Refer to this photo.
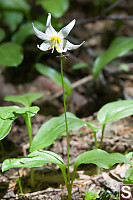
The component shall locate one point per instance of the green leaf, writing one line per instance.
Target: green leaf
(10, 54)
(34, 159)
(129, 172)
(129, 176)
(115, 110)
(129, 155)
(9, 113)
(54, 75)
(124, 67)
(13, 19)
(2, 34)
(49, 131)
(30, 110)
(80, 66)
(93, 127)
(14, 5)
(6, 119)
(25, 30)
(118, 47)
(128, 180)
(56, 7)
(26, 99)
(101, 158)
(90, 195)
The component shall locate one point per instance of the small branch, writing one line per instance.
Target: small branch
(112, 6)
(104, 12)
(111, 17)
(116, 17)
(41, 192)
(74, 85)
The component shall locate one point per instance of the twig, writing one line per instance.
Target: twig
(103, 17)
(116, 17)
(112, 6)
(41, 192)
(74, 85)
(111, 17)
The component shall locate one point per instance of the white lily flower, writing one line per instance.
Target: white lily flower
(52, 39)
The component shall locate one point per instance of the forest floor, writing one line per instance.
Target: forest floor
(49, 182)
(87, 97)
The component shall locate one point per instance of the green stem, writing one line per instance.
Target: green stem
(63, 169)
(29, 129)
(19, 183)
(28, 125)
(73, 176)
(101, 142)
(67, 135)
(94, 133)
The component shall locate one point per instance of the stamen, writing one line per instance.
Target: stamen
(55, 40)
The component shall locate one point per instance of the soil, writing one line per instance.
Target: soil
(87, 98)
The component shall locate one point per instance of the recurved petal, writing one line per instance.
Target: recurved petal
(50, 31)
(69, 46)
(60, 47)
(40, 34)
(66, 30)
(44, 46)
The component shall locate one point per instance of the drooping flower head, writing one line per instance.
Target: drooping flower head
(54, 40)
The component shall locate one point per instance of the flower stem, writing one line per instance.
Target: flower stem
(67, 135)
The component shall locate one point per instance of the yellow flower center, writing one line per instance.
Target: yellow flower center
(54, 41)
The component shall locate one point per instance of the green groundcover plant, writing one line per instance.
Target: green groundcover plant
(50, 130)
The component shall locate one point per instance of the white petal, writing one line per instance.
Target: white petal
(44, 46)
(66, 30)
(50, 31)
(69, 46)
(60, 47)
(40, 34)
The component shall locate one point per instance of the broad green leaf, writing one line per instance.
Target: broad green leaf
(34, 159)
(10, 54)
(129, 176)
(115, 110)
(80, 66)
(12, 19)
(2, 34)
(101, 158)
(54, 75)
(26, 99)
(15, 5)
(118, 47)
(25, 30)
(129, 172)
(56, 7)
(9, 114)
(129, 155)
(6, 119)
(29, 110)
(90, 195)
(49, 131)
